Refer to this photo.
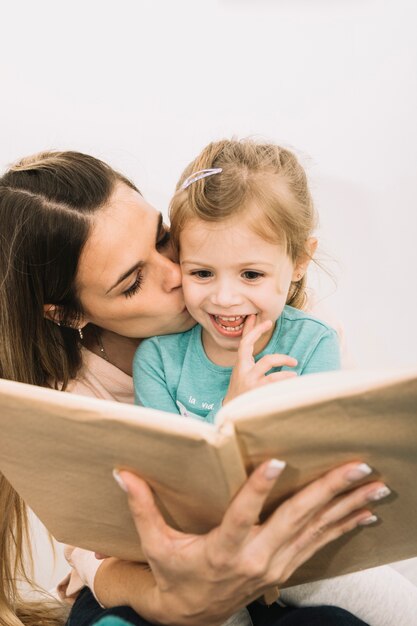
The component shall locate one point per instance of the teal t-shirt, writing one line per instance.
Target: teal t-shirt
(172, 372)
(112, 620)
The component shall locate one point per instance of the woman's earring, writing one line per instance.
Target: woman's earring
(80, 332)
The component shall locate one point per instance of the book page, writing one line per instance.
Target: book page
(324, 420)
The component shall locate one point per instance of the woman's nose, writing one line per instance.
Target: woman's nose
(171, 273)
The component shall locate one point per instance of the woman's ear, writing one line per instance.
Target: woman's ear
(55, 313)
(302, 264)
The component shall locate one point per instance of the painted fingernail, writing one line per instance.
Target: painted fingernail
(367, 521)
(274, 468)
(378, 494)
(119, 480)
(358, 472)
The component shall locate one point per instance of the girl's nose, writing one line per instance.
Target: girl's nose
(223, 295)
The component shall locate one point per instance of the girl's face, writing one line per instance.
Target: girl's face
(126, 281)
(230, 272)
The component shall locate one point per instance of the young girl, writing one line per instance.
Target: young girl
(242, 220)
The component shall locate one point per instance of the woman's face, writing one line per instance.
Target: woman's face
(126, 281)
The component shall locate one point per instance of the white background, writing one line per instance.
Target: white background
(145, 84)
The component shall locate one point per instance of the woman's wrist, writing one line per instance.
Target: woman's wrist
(126, 583)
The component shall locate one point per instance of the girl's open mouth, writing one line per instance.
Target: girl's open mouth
(229, 326)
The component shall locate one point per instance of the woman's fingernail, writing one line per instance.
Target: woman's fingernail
(358, 472)
(367, 521)
(274, 468)
(378, 494)
(119, 480)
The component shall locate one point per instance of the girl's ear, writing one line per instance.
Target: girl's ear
(302, 264)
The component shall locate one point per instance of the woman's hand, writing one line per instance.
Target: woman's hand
(203, 579)
(247, 374)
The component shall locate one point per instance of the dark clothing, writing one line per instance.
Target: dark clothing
(86, 612)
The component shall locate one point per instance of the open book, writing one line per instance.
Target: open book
(58, 451)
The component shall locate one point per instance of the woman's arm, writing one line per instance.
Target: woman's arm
(198, 580)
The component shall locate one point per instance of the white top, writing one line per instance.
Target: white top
(100, 379)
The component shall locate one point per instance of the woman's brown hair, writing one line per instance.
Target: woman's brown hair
(47, 205)
(253, 174)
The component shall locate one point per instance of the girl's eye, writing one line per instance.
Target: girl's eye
(163, 240)
(134, 288)
(251, 275)
(202, 274)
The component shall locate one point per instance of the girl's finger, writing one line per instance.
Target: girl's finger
(243, 512)
(277, 376)
(248, 341)
(249, 325)
(269, 361)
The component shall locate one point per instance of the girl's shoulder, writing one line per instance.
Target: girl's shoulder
(164, 346)
(292, 315)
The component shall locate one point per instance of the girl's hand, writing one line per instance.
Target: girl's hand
(246, 373)
(198, 580)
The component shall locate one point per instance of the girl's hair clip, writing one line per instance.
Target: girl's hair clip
(199, 175)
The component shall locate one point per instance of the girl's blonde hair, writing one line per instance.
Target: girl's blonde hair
(264, 178)
(47, 207)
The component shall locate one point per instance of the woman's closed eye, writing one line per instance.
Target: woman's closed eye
(134, 287)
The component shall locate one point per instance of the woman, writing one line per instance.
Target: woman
(85, 270)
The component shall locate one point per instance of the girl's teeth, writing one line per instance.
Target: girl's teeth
(228, 319)
(232, 327)
(222, 321)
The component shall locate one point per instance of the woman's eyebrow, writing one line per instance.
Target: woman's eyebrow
(139, 264)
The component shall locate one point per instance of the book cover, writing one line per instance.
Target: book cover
(58, 451)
